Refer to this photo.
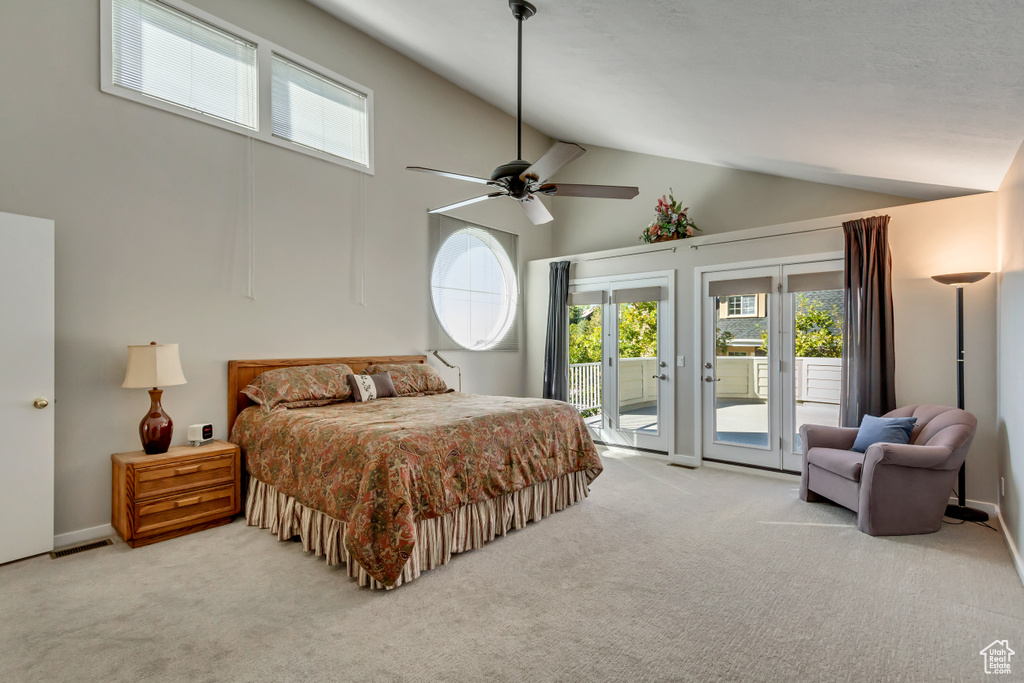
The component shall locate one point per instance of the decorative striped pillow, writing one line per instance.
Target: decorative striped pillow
(368, 387)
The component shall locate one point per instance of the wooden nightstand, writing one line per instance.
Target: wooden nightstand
(186, 489)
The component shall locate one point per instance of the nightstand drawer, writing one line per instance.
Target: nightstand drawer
(151, 482)
(185, 509)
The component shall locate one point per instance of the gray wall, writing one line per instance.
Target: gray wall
(150, 210)
(923, 241)
(1011, 334)
(150, 226)
(720, 199)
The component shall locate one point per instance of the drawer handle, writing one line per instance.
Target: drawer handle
(186, 502)
(187, 470)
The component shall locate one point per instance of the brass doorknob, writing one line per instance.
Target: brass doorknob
(40, 403)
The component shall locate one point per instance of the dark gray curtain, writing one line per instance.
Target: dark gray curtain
(869, 361)
(556, 346)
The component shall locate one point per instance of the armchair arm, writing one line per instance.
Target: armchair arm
(820, 436)
(908, 455)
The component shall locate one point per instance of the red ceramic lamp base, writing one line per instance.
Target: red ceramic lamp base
(156, 428)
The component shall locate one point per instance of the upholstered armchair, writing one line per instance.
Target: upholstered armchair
(895, 489)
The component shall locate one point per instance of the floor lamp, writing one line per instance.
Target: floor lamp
(958, 280)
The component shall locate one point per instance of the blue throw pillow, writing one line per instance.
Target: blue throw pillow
(883, 430)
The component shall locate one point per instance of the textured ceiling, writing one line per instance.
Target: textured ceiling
(918, 98)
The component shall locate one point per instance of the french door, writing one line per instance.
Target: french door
(621, 341)
(771, 360)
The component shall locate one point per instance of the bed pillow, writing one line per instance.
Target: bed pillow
(883, 430)
(368, 387)
(300, 387)
(412, 380)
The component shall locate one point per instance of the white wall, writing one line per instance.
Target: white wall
(1011, 336)
(150, 226)
(925, 239)
(720, 199)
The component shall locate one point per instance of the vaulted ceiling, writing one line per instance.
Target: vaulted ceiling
(923, 98)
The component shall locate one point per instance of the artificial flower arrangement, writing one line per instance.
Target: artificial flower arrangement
(670, 221)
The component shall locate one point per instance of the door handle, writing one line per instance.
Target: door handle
(40, 403)
(709, 378)
(661, 376)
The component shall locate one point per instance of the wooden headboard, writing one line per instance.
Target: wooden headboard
(241, 372)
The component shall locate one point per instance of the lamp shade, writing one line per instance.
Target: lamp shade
(153, 365)
(961, 278)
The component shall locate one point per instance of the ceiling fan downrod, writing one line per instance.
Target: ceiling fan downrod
(522, 11)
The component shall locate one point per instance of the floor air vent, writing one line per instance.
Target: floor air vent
(57, 554)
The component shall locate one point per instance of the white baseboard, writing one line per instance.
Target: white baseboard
(991, 508)
(82, 535)
(1014, 552)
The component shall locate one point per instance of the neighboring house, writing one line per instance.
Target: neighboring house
(745, 318)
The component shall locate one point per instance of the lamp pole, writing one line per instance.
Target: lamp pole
(961, 511)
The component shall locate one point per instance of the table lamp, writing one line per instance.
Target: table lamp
(154, 365)
(958, 280)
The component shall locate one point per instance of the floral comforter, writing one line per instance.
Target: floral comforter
(383, 465)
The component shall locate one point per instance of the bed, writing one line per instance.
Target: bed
(396, 486)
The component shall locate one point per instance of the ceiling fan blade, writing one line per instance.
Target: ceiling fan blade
(448, 174)
(598, 191)
(536, 211)
(560, 155)
(467, 202)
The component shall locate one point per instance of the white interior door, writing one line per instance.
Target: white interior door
(26, 382)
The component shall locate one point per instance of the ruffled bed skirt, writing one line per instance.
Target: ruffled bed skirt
(466, 528)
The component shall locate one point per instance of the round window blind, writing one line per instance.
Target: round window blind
(473, 289)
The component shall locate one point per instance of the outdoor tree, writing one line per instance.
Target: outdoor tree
(722, 340)
(819, 332)
(638, 330)
(584, 334)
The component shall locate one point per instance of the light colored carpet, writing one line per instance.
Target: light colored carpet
(662, 574)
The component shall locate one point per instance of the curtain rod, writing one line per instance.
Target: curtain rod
(763, 237)
(635, 253)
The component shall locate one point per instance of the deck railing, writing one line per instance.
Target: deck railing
(817, 380)
(636, 383)
(585, 385)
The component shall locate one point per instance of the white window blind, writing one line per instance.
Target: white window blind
(167, 54)
(474, 286)
(317, 112)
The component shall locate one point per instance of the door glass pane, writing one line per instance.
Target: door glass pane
(638, 366)
(818, 358)
(741, 382)
(585, 388)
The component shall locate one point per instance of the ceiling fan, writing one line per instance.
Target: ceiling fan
(521, 180)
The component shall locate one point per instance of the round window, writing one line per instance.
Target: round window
(473, 289)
